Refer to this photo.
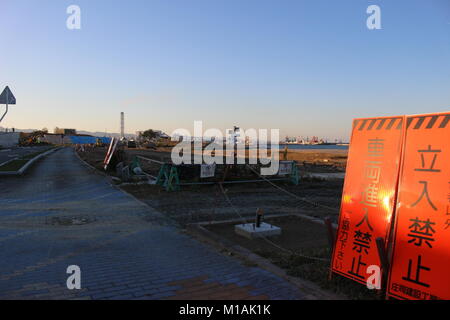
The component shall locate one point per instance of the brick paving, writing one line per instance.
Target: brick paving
(126, 250)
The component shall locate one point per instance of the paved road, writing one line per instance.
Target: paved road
(61, 213)
(12, 153)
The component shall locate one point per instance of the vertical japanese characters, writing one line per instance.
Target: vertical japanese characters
(368, 196)
(363, 235)
(421, 255)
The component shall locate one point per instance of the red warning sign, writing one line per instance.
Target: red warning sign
(421, 250)
(369, 195)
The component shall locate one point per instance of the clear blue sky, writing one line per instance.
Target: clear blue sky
(306, 67)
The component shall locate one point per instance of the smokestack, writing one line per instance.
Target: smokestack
(122, 125)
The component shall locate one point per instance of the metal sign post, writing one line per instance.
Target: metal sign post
(5, 112)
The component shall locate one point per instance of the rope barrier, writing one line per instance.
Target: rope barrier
(315, 204)
(150, 160)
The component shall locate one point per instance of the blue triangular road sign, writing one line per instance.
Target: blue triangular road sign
(7, 97)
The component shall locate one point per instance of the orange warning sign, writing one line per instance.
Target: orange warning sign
(421, 250)
(369, 195)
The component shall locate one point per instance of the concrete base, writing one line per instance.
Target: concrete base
(251, 232)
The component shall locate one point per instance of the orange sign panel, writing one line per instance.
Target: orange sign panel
(420, 267)
(369, 195)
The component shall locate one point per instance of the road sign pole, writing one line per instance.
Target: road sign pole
(7, 100)
(4, 113)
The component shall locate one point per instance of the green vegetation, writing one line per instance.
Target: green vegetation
(17, 164)
(150, 134)
(14, 165)
(32, 155)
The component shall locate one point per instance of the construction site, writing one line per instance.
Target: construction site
(285, 223)
(202, 199)
(299, 200)
(317, 181)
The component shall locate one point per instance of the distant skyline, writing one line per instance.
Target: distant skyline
(304, 67)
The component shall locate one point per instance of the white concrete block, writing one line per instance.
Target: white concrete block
(250, 231)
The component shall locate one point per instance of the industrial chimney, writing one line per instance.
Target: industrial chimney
(122, 125)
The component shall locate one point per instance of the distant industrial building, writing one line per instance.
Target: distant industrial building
(65, 131)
